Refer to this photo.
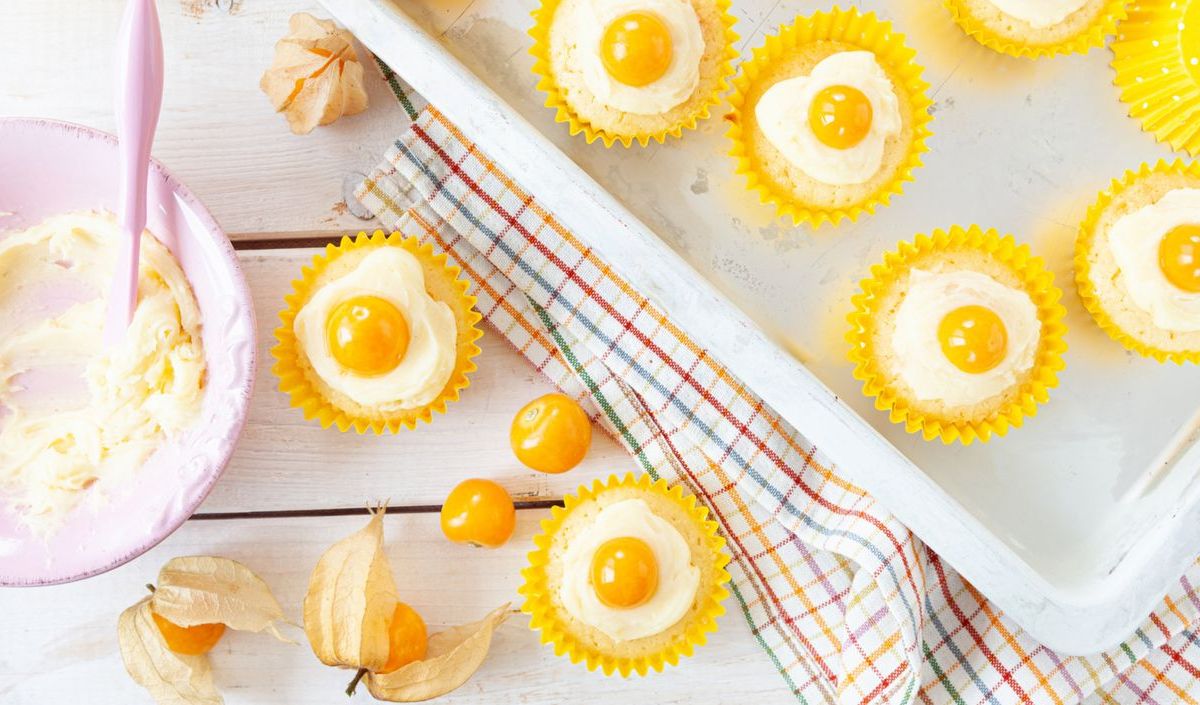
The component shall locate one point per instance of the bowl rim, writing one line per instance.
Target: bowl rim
(245, 391)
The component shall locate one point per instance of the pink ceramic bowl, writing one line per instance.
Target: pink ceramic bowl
(49, 167)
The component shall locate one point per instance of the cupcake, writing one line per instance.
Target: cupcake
(958, 335)
(1035, 28)
(1137, 261)
(829, 117)
(626, 70)
(379, 333)
(628, 576)
(1155, 55)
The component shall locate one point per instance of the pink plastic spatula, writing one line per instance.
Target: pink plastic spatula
(139, 99)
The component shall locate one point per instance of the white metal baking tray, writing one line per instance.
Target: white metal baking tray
(1074, 525)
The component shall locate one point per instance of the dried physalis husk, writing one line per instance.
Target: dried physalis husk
(171, 678)
(192, 590)
(204, 590)
(350, 601)
(451, 658)
(316, 76)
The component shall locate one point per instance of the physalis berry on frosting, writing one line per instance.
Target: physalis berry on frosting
(973, 338)
(639, 56)
(1179, 257)
(367, 334)
(636, 48)
(840, 116)
(834, 123)
(624, 572)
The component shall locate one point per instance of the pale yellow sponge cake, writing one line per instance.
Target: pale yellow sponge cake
(679, 59)
(1119, 258)
(958, 334)
(1035, 28)
(829, 117)
(786, 177)
(677, 607)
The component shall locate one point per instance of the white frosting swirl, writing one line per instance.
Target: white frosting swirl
(922, 364)
(678, 579)
(1040, 14)
(672, 88)
(58, 446)
(1135, 239)
(394, 275)
(782, 113)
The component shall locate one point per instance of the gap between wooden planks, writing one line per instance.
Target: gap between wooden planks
(352, 511)
(285, 466)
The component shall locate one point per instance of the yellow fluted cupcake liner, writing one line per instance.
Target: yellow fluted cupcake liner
(1087, 238)
(298, 380)
(1038, 283)
(863, 32)
(1093, 36)
(546, 616)
(1156, 57)
(563, 112)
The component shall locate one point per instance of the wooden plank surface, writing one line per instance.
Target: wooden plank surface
(218, 134)
(285, 462)
(60, 642)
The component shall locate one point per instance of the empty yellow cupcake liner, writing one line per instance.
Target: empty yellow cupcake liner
(865, 32)
(563, 112)
(1093, 36)
(1085, 242)
(544, 616)
(1039, 284)
(1156, 57)
(294, 378)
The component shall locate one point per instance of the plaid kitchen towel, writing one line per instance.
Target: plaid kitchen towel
(845, 601)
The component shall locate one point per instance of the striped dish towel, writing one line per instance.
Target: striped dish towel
(845, 601)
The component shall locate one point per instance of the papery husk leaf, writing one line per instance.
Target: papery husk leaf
(350, 601)
(171, 678)
(451, 658)
(315, 76)
(206, 589)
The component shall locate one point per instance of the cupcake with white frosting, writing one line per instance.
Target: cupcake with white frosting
(1137, 261)
(1038, 27)
(627, 577)
(379, 333)
(829, 117)
(632, 70)
(958, 335)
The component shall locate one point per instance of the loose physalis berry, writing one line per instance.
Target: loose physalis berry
(1179, 257)
(479, 512)
(191, 641)
(973, 338)
(407, 639)
(636, 49)
(624, 572)
(551, 433)
(840, 116)
(367, 335)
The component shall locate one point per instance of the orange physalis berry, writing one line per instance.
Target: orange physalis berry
(636, 49)
(973, 338)
(367, 335)
(624, 572)
(191, 641)
(551, 433)
(1179, 257)
(840, 116)
(407, 639)
(479, 512)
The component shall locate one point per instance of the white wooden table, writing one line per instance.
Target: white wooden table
(277, 506)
